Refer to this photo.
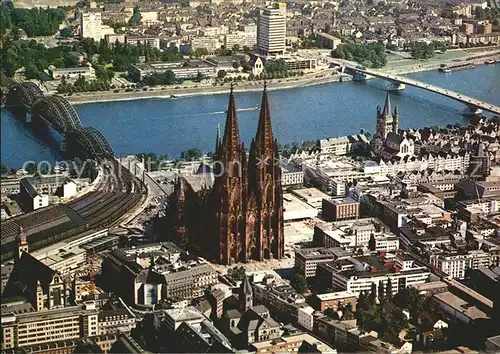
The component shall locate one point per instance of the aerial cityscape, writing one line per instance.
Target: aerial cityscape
(248, 176)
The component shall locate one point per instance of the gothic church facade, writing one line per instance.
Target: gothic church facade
(233, 211)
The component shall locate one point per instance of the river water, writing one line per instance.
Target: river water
(169, 126)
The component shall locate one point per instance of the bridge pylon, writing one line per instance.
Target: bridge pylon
(396, 86)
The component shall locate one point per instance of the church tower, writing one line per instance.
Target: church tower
(480, 163)
(265, 236)
(245, 294)
(385, 119)
(395, 120)
(229, 192)
(22, 243)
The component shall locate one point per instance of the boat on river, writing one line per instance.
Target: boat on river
(249, 109)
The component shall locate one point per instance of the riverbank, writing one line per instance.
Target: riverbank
(477, 59)
(317, 78)
(322, 77)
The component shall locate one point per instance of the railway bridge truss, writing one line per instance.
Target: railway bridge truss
(56, 111)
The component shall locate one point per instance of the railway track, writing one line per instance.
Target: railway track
(117, 192)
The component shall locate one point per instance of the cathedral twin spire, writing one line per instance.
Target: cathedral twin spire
(264, 135)
(231, 139)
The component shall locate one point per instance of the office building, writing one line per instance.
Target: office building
(334, 300)
(340, 209)
(91, 26)
(153, 42)
(182, 70)
(343, 145)
(358, 274)
(307, 260)
(86, 72)
(19, 330)
(455, 264)
(271, 37)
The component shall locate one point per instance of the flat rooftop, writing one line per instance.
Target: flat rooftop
(336, 295)
(292, 203)
(341, 201)
(288, 340)
(460, 305)
(66, 312)
(310, 193)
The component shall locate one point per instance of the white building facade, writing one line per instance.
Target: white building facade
(271, 38)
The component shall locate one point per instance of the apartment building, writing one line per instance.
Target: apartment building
(91, 26)
(280, 298)
(153, 42)
(190, 283)
(291, 175)
(240, 38)
(115, 317)
(354, 234)
(358, 274)
(455, 264)
(334, 300)
(271, 37)
(340, 209)
(46, 326)
(343, 145)
(307, 260)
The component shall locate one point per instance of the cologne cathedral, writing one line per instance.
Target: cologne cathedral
(232, 211)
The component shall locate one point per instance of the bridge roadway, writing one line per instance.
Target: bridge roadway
(468, 101)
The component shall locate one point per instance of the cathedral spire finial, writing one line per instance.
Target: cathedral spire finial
(264, 135)
(387, 105)
(231, 139)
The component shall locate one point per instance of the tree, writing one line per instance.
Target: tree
(372, 244)
(199, 52)
(221, 74)
(373, 294)
(329, 312)
(3, 169)
(363, 301)
(236, 48)
(31, 71)
(136, 16)
(34, 21)
(299, 283)
(191, 154)
(371, 54)
(381, 292)
(236, 273)
(65, 32)
(388, 290)
(199, 77)
(30, 168)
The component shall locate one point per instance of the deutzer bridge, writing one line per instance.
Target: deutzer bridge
(57, 112)
(399, 81)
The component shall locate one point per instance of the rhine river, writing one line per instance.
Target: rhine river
(169, 126)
